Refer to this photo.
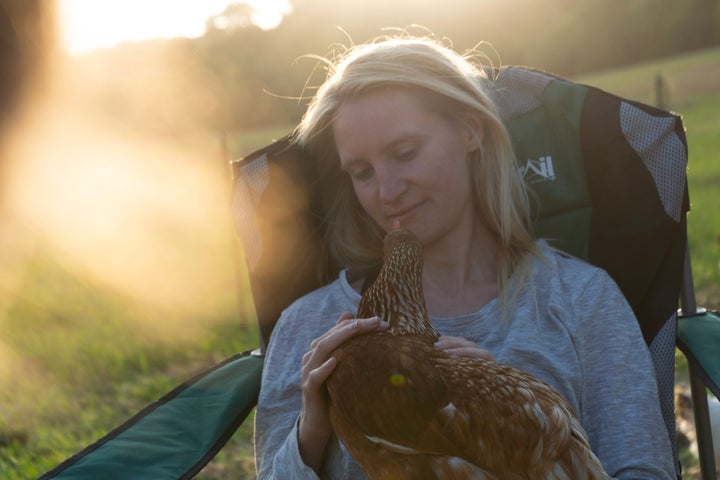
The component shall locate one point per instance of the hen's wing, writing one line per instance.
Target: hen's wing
(417, 409)
(513, 424)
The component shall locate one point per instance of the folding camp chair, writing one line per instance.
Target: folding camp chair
(608, 179)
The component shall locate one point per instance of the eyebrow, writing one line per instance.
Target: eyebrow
(346, 167)
(409, 137)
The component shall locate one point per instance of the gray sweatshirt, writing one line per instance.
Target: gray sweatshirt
(570, 326)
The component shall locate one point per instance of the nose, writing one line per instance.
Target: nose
(391, 185)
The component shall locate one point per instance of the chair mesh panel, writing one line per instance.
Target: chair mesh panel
(662, 350)
(249, 186)
(510, 100)
(662, 152)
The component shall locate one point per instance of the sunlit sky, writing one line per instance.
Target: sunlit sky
(90, 24)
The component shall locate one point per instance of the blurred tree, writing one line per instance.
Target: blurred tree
(236, 15)
(567, 37)
(26, 34)
(237, 76)
(9, 66)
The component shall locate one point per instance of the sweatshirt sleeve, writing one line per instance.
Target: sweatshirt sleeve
(276, 448)
(619, 401)
(277, 455)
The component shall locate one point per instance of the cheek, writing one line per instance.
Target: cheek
(454, 179)
(367, 199)
(452, 158)
(453, 172)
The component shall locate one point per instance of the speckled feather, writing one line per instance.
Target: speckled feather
(405, 410)
(397, 295)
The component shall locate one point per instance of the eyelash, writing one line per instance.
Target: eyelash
(365, 172)
(406, 155)
(361, 174)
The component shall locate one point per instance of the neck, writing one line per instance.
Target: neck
(461, 273)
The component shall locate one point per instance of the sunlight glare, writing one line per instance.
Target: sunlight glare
(88, 24)
(145, 216)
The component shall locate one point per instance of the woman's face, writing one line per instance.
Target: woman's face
(407, 163)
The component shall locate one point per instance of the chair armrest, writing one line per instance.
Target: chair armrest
(699, 339)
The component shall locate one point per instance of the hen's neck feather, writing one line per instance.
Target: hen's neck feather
(396, 295)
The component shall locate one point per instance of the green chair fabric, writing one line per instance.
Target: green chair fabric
(699, 340)
(176, 436)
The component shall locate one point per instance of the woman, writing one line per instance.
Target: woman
(409, 122)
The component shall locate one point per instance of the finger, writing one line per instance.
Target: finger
(325, 343)
(317, 376)
(323, 346)
(469, 352)
(345, 316)
(365, 325)
(347, 329)
(447, 342)
(341, 320)
(306, 358)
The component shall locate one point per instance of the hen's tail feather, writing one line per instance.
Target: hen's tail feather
(580, 463)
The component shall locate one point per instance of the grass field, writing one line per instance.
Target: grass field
(81, 350)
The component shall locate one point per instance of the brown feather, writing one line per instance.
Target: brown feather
(406, 410)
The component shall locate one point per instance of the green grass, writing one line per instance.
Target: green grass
(77, 358)
(703, 131)
(84, 360)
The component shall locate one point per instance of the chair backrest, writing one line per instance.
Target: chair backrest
(608, 182)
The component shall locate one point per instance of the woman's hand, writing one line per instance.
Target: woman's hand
(460, 347)
(314, 427)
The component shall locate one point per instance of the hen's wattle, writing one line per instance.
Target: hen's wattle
(406, 410)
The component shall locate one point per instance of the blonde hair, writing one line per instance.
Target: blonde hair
(449, 83)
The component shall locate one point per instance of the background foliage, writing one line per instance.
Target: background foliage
(238, 72)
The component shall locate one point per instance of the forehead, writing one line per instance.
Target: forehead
(376, 104)
(378, 118)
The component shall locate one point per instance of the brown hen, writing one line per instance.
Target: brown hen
(405, 410)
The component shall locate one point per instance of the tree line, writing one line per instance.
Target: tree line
(237, 76)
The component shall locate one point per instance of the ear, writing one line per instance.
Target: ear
(475, 130)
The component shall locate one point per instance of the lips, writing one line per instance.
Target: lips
(404, 214)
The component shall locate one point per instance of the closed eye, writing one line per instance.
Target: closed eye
(406, 155)
(360, 173)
